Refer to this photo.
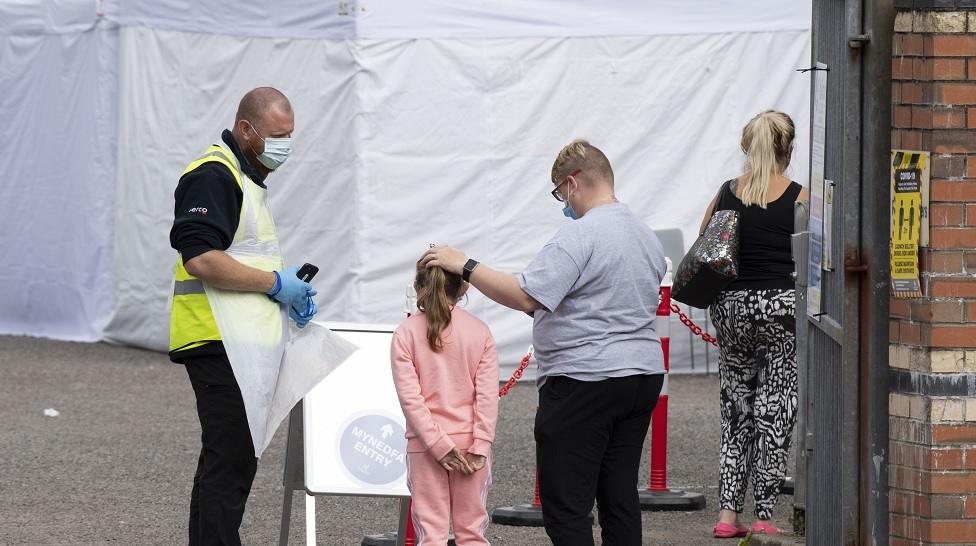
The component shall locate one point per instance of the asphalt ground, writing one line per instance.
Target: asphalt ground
(115, 466)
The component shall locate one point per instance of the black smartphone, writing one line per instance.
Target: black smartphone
(306, 272)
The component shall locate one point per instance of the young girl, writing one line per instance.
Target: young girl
(445, 369)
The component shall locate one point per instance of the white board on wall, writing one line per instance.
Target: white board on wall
(354, 428)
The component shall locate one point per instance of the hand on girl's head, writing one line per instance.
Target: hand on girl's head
(447, 258)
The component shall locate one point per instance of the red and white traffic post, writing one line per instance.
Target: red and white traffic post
(657, 496)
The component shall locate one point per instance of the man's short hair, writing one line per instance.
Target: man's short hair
(257, 102)
(587, 158)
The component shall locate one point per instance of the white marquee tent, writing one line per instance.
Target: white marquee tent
(416, 121)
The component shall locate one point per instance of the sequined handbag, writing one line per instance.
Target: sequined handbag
(711, 263)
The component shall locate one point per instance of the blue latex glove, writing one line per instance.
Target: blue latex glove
(289, 289)
(302, 317)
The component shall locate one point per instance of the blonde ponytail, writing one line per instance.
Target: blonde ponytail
(437, 292)
(767, 141)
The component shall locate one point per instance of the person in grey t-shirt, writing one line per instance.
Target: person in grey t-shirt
(593, 293)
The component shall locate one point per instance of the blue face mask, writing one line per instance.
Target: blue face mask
(276, 150)
(568, 212)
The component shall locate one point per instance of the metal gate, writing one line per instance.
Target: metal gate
(841, 490)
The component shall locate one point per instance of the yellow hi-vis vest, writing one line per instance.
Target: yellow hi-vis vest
(255, 243)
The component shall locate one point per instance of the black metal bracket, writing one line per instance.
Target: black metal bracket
(812, 69)
(858, 41)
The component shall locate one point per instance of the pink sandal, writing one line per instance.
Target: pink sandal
(725, 530)
(765, 528)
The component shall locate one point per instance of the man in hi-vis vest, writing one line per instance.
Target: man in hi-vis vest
(231, 301)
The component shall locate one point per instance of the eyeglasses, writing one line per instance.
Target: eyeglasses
(555, 191)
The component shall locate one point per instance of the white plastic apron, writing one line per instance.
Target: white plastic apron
(254, 328)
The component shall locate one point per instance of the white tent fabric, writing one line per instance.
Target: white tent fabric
(574, 18)
(48, 17)
(466, 19)
(417, 122)
(58, 93)
(309, 19)
(446, 141)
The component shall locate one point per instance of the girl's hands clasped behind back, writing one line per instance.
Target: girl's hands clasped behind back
(477, 462)
(455, 461)
(466, 464)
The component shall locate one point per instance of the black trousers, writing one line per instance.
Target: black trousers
(227, 464)
(589, 437)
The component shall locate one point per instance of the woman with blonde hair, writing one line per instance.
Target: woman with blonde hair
(592, 291)
(756, 327)
(445, 369)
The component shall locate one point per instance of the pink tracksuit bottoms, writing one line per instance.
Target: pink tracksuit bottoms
(440, 497)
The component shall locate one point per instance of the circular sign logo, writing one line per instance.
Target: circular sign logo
(372, 448)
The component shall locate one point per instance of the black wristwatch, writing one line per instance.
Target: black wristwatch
(468, 268)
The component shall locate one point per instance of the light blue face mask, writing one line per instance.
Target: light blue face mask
(568, 212)
(276, 151)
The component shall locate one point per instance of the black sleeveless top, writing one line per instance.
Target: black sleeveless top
(765, 257)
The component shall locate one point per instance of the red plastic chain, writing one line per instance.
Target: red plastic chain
(517, 375)
(695, 329)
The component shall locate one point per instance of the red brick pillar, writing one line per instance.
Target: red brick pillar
(932, 463)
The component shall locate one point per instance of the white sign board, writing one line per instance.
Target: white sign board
(354, 428)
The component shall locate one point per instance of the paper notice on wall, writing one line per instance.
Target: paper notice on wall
(816, 226)
(908, 171)
(818, 138)
(828, 225)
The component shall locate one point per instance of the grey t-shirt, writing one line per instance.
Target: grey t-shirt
(599, 280)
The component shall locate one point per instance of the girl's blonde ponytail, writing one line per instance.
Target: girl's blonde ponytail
(437, 292)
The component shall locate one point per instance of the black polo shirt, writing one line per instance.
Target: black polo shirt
(208, 205)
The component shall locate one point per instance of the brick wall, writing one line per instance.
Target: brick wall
(932, 463)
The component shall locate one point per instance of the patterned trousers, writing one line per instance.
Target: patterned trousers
(756, 331)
